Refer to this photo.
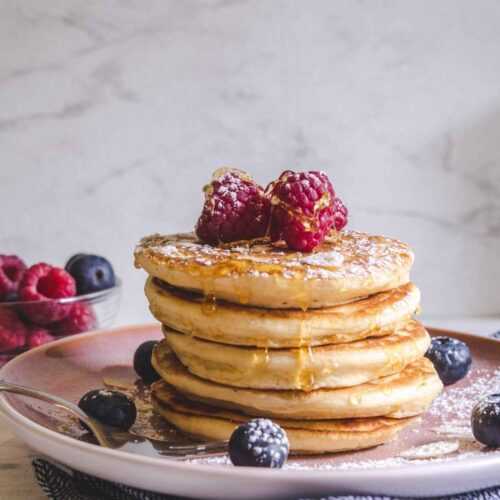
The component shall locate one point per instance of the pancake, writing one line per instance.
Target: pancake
(234, 324)
(405, 394)
(330, 366)
(347, 266)
(305, 436)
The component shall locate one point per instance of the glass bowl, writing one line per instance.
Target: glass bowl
(24, 325)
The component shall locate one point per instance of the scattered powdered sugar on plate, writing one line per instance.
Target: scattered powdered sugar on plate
(454, 431)
(431, 450)
(448, 420)
(459, 401)
(373, 464)
(211, 460)
(398, 461)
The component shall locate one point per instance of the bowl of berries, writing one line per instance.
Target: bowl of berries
(41, 303)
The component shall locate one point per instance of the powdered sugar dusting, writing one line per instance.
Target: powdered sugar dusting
(376, 464)
(431, 450)
(454, 431)
(344, 254)
(211, 460)
(320, 258)
(459, 401)
(444, 435)
(398, 461)
(434, 452)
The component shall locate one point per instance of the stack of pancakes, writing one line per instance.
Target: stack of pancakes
(324, 343)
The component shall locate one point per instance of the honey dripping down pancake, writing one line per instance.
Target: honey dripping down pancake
(316, 333)
(233, 324)
(305, 436)
(346, 266)
(304, 368)
(401, 395)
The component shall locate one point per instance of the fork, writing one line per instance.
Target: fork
(111, 437)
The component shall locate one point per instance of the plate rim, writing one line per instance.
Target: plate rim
(414, 471)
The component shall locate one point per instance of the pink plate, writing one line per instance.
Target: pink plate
(74, 365)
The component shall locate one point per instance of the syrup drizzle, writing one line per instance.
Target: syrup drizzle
(343, 255)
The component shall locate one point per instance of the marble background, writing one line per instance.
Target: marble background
(113, 114)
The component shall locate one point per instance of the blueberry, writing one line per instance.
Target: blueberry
(451, 358)
(109, 407)
(142, 362)
(486, 421)
(73, 259)
(259, 443)
(92, 273)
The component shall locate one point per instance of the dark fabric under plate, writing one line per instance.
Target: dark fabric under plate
(60, 483)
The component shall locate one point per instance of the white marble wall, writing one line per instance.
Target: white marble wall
(114, 113)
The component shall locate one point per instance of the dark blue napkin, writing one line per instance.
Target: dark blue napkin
(61, 483)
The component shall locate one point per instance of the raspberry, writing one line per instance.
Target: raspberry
(41, 283)
(11, 271)
(236, 208)
(302, 209)
(340, 214)
(80, 319)
(12, 330)
(38, 336)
